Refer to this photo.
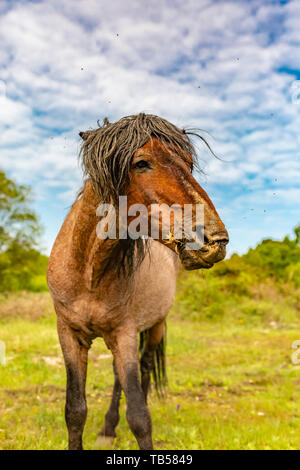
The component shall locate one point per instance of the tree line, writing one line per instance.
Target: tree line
(23, 267)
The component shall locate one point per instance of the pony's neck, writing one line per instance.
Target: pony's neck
(85, 243)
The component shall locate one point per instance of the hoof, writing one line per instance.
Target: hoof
(104, 442)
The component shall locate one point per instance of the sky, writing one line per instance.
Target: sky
(231, 68)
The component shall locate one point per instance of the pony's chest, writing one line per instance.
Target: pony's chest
(155, 288)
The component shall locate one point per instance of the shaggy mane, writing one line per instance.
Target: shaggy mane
(106, 155)
(107, 152)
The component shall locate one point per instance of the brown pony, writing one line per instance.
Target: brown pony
(117, 288)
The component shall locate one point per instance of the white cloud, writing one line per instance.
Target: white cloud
(209, 64)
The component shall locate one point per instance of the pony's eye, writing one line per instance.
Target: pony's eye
(142, 164)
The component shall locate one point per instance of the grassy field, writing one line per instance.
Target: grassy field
(232, 384)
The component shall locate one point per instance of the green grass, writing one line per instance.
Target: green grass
(232, 384)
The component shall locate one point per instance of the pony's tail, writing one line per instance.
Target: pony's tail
(158, 371)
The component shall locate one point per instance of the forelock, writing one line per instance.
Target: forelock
(107, 152)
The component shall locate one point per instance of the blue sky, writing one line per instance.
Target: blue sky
(228, 67)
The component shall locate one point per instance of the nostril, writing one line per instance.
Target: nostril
(223, 241)
(217, 237)
(221, 237)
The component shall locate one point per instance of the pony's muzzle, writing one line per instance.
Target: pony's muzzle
(212, 251)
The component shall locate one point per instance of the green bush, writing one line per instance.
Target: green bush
(249, 288)
(275, 257)
(22, 267)
(293, 273)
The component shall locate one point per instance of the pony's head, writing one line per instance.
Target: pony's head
(151, 161)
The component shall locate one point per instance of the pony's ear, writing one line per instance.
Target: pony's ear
(84, 135)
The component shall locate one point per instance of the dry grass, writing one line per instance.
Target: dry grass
(232, 383)
(26, 305)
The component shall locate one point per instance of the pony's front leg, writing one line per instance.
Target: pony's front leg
(124, 345)
(75, 356)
